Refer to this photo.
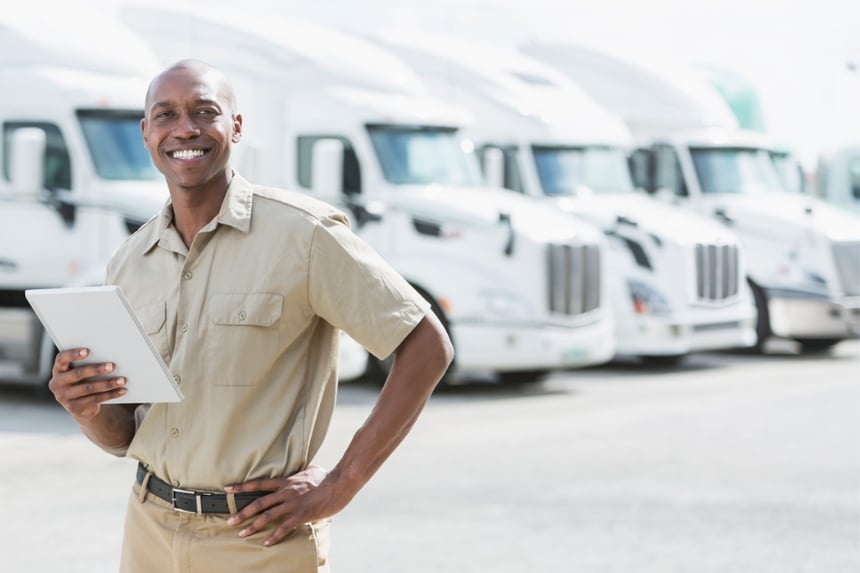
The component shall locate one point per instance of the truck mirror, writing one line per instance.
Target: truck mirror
(27, 160)
(494, 167)
(327, 170)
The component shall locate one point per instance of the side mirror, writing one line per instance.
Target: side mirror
(27, 160)
(494, 167)
(327, 170)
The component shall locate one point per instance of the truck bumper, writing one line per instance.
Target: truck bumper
(681, 333)
(484, 347)
(796, 314)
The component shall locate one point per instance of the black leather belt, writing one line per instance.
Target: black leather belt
(192, 501)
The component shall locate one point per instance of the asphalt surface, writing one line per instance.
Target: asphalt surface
(729, 463)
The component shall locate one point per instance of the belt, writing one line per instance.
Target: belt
(188, 501)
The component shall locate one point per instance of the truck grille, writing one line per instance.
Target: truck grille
(573, 278)
(847, 256)
(716, 272)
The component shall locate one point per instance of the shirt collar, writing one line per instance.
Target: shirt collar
(235, 211)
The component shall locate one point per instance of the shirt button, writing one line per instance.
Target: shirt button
(174, 432)
(187, 276)
(175, 483)
(177, 379)
(242, 315)
(184, 327)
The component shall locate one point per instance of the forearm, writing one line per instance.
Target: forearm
(111, 429)
(419, 364)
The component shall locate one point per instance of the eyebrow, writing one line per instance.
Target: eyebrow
(200, 101)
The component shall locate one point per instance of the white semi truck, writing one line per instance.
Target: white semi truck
(803, 254)
(676, 278)
(75, 179)
(72, 160)
(519, 287)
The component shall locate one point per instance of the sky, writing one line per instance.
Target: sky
(798, 55)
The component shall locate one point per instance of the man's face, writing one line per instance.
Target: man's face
(190, 128)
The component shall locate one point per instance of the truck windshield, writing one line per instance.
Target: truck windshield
(564, 170)
(421, 155)
(114, 140)
(735, 170)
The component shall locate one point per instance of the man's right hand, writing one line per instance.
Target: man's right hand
(74, 388)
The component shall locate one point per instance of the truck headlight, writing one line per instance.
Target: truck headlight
(646, 299)
(502, 304)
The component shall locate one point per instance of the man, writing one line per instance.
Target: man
(242, 289)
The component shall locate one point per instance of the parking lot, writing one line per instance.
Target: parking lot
(730, 463)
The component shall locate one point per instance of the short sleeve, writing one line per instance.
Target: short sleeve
(354, 289)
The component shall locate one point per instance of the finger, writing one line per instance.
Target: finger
(89, 404)
(255, 507)
(287, 528)
(256, 485)
(264, 519)
(63, 360)
(95, 388)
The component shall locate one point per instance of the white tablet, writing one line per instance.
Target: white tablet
(100, 319)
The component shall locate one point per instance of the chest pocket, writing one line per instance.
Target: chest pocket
(153, 317)
(243, 338)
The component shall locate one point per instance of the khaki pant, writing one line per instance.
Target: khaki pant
(158, 539)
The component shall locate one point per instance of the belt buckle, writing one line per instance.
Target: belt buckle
(197, 499)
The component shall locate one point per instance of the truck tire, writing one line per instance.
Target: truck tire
(523, 376)
(378, 370)
(762, 321)
(817, 345)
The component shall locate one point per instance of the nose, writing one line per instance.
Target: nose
(186, 127)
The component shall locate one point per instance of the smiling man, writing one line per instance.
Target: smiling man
(243, 290)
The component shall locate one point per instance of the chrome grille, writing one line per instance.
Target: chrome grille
(847, 256)
(716, 272)
(573, 278)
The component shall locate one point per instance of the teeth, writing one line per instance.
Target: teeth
(187, 153)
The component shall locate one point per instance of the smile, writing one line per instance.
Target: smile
(187, 153)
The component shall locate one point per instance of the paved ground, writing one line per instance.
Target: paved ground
(731, 463)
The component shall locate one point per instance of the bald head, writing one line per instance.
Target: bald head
(202, 73)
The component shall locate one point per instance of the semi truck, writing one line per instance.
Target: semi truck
(803, 254)
(519, 287)
(676, 278)
(75, 178)
(72, 164)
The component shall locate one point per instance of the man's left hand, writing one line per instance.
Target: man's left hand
(293, 501)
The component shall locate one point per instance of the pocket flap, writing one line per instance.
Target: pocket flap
(253, 309)
(152, 316)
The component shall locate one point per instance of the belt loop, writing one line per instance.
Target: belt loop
(144, 487)
(231, 503)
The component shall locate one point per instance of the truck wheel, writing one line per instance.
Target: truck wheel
(378, 370)
(817, 345)
(670, 361)
(523, 376)
(762, 322)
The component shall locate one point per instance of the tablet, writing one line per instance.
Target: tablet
(100, 319)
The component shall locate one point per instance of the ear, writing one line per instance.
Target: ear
(237, 128)
(143, 130)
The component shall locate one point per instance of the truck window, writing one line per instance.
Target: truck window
(641, 166)
(735, 170)
(512, 178)
(424, 154)
(58, 166)
(668, 172)
(304, 162)
(563, 170)
(116, 146)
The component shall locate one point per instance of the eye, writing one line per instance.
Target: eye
(164, 114)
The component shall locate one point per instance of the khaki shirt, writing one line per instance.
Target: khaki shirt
(247, 320)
